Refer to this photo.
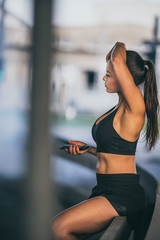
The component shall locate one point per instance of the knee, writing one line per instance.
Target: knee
(59, 229)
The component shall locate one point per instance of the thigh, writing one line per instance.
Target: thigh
(87, 217)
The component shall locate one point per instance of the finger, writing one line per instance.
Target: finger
(72, 141)
(71, 149)
(81, 151)
(74, 150)
(66, 150)
(108, 56)
(77, 150)
(76, 142)
(109, 53)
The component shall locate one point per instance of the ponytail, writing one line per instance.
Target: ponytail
(152, 105)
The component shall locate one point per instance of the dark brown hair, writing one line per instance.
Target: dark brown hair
(143, 71)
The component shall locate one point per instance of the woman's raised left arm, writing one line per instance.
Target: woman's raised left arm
(131, 93)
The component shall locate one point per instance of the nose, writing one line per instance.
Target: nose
(104, 78)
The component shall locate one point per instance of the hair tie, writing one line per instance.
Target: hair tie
(146, 64)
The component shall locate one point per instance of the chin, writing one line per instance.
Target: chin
(109, 91)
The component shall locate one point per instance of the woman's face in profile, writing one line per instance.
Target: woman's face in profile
(110, 79)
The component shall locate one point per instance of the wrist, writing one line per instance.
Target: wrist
(89, 149)
(92, 150)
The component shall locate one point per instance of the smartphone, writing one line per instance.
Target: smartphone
(80, 147)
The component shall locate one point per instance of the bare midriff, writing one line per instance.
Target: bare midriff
(108, 163)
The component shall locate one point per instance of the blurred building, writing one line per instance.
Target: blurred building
(81, 48)
(15, 51)
(83, 33)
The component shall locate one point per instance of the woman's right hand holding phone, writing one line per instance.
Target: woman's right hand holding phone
(74, 148)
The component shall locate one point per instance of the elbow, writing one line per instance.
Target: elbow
(118, 64)
(117, 61)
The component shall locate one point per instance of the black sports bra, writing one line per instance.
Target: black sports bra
(108, 140)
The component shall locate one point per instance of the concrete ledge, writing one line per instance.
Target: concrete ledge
(118, 229)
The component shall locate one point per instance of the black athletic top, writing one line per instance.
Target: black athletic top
(108, 140)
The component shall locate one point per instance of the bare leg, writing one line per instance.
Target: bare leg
(84, 219)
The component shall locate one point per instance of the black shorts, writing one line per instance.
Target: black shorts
(123, 191)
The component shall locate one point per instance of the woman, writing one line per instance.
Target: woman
(118, 192)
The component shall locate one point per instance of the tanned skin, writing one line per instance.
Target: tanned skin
(93, 215)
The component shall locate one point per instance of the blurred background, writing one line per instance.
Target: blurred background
(82, 33)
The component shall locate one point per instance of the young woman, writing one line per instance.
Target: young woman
(116, 133)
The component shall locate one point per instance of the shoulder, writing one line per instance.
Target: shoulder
(134, 119)
(138, 107)
(128, 126)
(131, 122)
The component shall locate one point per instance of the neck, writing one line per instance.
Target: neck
(121, 99)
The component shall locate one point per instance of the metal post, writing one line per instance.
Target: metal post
(39, 185)
(2, 25)
(2, 39)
